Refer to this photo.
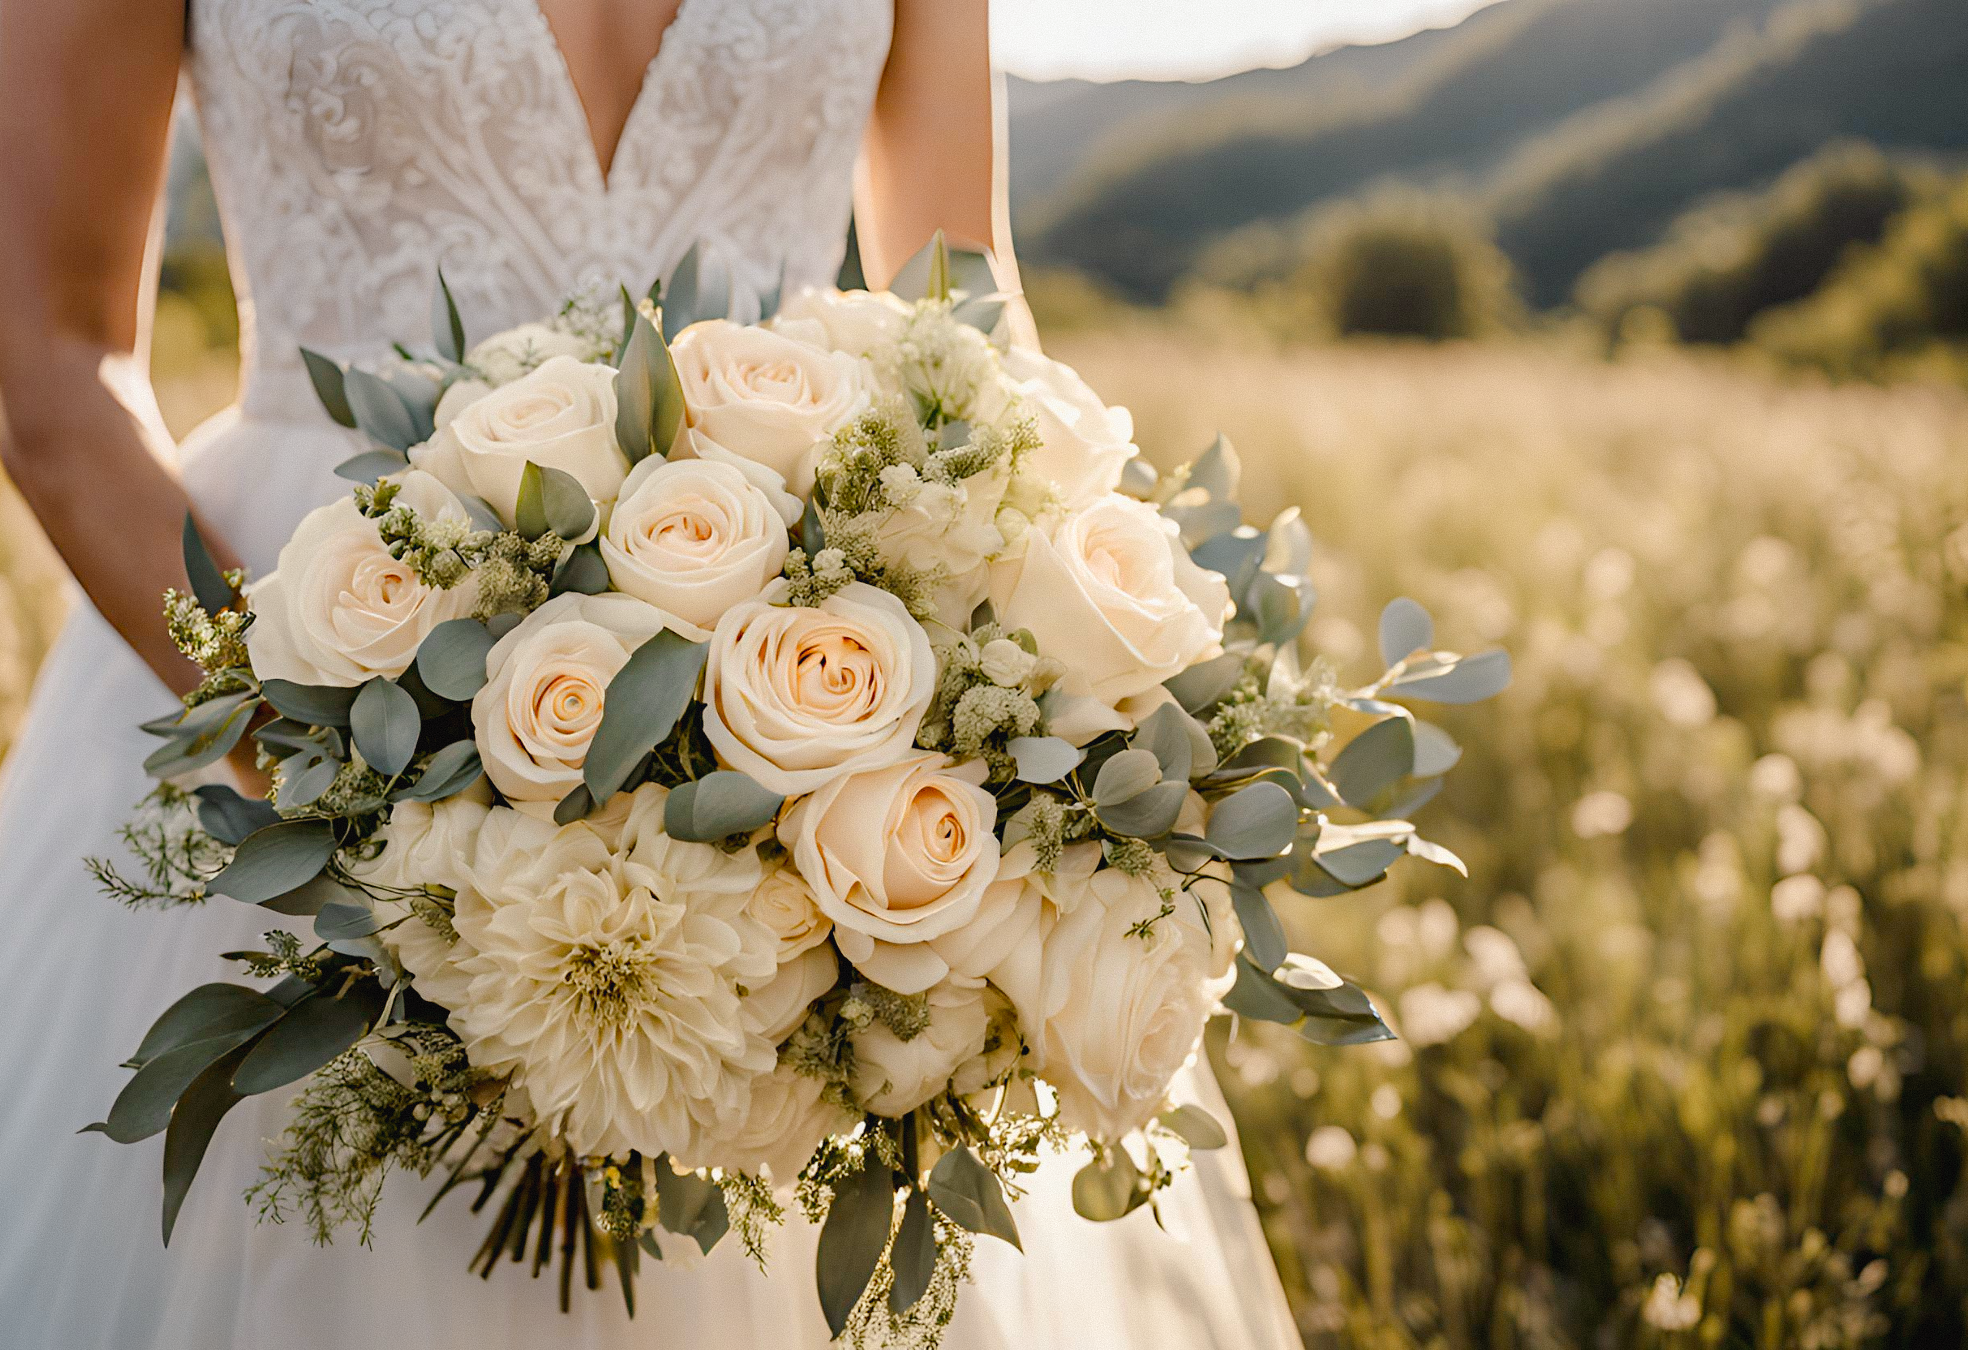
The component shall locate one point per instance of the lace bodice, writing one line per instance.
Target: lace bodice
(355, 145)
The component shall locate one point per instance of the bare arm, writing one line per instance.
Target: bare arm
(85, 107)
(934, 154)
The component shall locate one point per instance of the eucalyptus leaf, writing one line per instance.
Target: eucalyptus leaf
(722, 803)
(1279, 606)
(1195, 1126)
(326, 376)
(228, 816)
(1109, 1190)
(968, 1194)
(1374, 761)
(371, 465)
(314, 705)
(385, 724)
(209, 1010)
(143, 1107)
(691, 1206)
(193, 1122)
(574, 806)
(419, 393)
(640, 708)
(1043, 759)
(770, 298)
(1435, 853)
(303, 779)
(853, 1239)
(314, 1031)
(530, 510)
(1217, 471)
(1468, 680)
(447, 329)
(208, 583)
(275, 860)
(812, 535)
(206, 734)
(649, 396)
(680, 298)
(582, 572)
(311, 897)
(1359, 864)
(570, 512)
(483, 517)
(449, 772)
(1405, 628)
(1234, 555)
(1435, 752)
(1126, 776)
(1148, 815)
(1166, 733)
(1204, 683)
(451, 660)
(345, 919)
(912, 1261)
(1258, 821)
(380, 410)
(1259, 997)
(1264, 936)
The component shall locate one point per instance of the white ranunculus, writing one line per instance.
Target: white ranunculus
(779, 1005)
(693, 538)
(603, 966)
(896, 857)
(1119, 1012)
(423, 845)
(949, 529)
(505, 357)
(768, 397)
(795, 696)
(1111, 591)
(788, 1118)
(338, 609)
(855, 322)
(893, 1077)
(784, 903)
(561, 416)
(1083, 443)
(542, 699)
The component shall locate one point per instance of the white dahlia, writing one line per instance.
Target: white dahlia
(603, 965)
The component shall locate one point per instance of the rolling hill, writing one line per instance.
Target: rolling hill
(1582, 125)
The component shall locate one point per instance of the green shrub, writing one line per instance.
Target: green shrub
(1723, 264)
(1902, 301)
(1398, 265)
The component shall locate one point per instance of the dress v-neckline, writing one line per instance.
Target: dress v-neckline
(604, 172)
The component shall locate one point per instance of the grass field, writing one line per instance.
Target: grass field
(1684, 1059)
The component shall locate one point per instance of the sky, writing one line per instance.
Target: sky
(1194, 39)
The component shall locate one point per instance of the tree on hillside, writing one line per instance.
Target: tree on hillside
(1723, 264)
(1395, 265)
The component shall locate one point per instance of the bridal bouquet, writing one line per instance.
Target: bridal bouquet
(726, 768)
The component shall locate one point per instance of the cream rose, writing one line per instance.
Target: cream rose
(787, 1119)
(897, 856)
(795, 696)
(338, 609)
(771, 398)
(561, 416)
(693, 538)
(1118, 1012)
(543, 696)
(855, 322)
(1083, 443)
(784, 903)
(1111, 591)
(893, 1077)
(505, 357)
(779, 1005)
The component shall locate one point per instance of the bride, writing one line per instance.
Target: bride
(533, 147)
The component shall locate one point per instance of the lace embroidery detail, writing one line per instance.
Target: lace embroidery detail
(356, 144)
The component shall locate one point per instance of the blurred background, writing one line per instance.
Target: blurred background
(1631, 335)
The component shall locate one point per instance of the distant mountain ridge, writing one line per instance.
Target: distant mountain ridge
(1582, 125)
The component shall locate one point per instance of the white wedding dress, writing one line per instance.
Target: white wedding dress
(354, 145)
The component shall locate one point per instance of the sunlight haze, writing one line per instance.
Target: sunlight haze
(1191, 39)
